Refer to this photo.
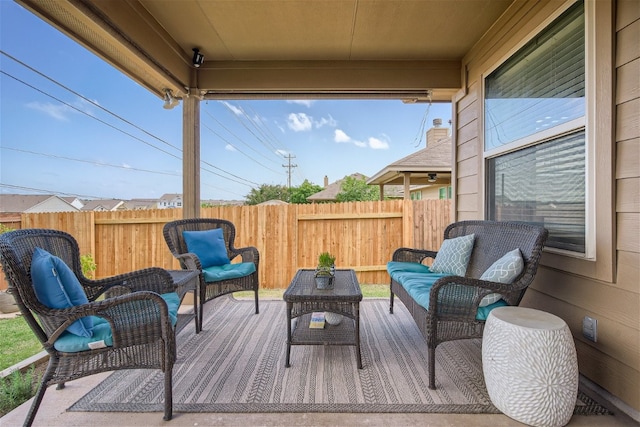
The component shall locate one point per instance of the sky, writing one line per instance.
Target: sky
(73, 125)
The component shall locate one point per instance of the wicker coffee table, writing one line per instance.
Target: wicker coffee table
(303, 298)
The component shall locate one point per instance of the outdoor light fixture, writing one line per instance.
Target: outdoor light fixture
(169, 100)
(432, 177)
(198, 58)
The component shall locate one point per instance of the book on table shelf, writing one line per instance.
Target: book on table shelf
(317, 320)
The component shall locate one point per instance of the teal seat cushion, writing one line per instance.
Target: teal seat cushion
(101, 335)
(56, 286)
(228, 271)
(208, 245)
(483, 312)
(394, 267)
(418, 286)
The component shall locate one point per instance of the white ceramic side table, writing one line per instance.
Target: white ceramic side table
(530, 365)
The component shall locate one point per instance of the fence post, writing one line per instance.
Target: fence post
(407, 223)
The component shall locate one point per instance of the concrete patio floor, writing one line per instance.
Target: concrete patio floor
(53, 412)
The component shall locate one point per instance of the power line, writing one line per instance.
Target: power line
(110, 125)
(89, 115)
(80, 196)
(86, 99)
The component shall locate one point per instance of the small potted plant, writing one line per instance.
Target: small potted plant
(324, 271)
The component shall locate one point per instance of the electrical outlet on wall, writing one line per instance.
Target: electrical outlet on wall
(590, 328)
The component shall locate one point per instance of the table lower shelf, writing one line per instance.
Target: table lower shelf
(340, 334)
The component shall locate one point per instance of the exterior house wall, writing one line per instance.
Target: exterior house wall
(430, 192)
(607, 288)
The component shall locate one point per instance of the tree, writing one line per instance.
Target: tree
(306, 189)
(267, 192)
(354, 190)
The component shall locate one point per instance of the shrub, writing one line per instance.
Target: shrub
(16, 389)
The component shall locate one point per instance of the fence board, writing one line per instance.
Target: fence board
(362, 235)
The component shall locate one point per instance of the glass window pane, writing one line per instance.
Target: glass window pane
(540, 86)
(543, 184)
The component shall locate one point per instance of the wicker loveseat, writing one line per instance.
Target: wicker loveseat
(446, 306)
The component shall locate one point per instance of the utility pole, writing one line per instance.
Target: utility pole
(290, 168)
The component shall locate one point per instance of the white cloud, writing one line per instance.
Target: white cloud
(325, 122)
(235, 110)
(358, 143)
(378, 144)
(282, 152)
(299, 122)
(306, 102)
(340, 136)
(126, 166)
(230, 147)
(58, 112)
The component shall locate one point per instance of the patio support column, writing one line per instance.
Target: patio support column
(191, 155)
(381, 192)
(407, 182)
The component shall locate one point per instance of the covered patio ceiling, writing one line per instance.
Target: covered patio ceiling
(400, 49)
(410, 50)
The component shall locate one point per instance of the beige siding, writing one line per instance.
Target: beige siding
(608, 288)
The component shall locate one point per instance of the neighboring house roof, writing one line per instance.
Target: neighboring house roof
(74, 201)
(31, 203)
(331, 191)
(169, 197)
(273, 202)
(140, 204)
(103, 205)
(435, 158)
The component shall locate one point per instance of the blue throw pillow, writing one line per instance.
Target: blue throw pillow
(209, 246)
(56, 286)
(453, 256)
(504, 270)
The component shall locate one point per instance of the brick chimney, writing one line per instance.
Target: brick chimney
(326, 181)
(436, 133)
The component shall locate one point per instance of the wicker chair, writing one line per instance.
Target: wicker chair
(143, 336)
(209, 290)
(454, 300)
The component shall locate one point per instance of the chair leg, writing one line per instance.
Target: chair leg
(432, 367)
(391, 300)
(257, 309)
(168, 395)
(48, 374)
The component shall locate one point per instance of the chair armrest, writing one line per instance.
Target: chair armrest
(189, 261)
(248, 254)
(135, 318)
(460, 296)
(412, 255)
(153, 279)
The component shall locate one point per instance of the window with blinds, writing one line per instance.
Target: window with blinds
(540, 86)
(543, 184)
(535, 144)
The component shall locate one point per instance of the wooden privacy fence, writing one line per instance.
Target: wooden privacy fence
(362, 235)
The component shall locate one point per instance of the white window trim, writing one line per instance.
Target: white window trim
(588, 122)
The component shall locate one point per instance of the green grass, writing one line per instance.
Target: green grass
(17, 342)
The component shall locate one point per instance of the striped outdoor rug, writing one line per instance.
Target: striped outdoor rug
(236, 364)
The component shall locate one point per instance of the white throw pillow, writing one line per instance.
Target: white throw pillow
(453, 256)
(504, 270)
